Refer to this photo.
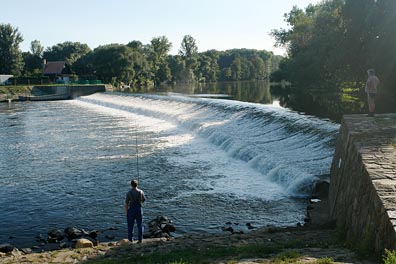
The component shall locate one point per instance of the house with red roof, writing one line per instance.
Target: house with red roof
(57, 71)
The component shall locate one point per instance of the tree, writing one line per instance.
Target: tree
(114, 61)
(158, 53)
(36, 48)
(33, 63)
(11, 61)
(189, 52)
(67, 51)
(314, 46)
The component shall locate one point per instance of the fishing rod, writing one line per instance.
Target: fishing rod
(137, 153)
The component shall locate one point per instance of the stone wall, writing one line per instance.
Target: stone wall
(362, 196)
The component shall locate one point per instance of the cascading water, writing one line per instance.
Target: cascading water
(203, 162)
(287, 148)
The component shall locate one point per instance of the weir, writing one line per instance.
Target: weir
(362, 194)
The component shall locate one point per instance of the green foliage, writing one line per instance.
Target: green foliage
(287, 257)
(11, 61)
(33, 60)
(389, 257)
(158, 53)
(113, 61)
(325, 261)
(335, 42)
(67, 51)
(136, 64)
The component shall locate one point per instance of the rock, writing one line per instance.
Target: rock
(160, 227)
(6, 248)
(11, 237)
(168, 228)
(72, 232)
(55, 235)
(229, 229)
(93, 234)
(40, 238)
(26, 250)
(95, 242)
(113, 228)
(163, 220)
(124, 242)
(84, 243)
(249, 226)
(63, 245)
(50, 247)
(16, 253)
(110, 237)
(321, 189)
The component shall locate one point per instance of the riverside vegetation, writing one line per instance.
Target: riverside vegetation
(267, 245)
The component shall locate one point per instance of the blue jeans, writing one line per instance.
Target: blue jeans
(135, 213)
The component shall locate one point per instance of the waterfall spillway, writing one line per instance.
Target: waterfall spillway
(285, 147)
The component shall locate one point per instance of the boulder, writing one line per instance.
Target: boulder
(55, 235)
(6, 248)
(168, 228)
(93, 234)
(160, 227)
(73, 232)
(124, 242)
(84, 243)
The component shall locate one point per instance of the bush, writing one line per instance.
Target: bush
(390, 257)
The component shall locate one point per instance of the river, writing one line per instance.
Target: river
(203, 161)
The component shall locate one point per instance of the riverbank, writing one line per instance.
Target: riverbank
(299, 244)
(315, 242)
(13, 92)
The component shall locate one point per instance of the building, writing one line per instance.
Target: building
(4, 79)
(57, 71)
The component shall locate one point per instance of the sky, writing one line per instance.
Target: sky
(214, 24)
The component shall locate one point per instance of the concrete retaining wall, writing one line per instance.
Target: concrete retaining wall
(71, 91)
(362, 196)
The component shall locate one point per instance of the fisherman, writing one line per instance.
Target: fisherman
(133, 208)
(371, 90)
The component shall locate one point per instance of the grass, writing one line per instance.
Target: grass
(287, 257)
(214, 254)
(199, 255)
(325, 261)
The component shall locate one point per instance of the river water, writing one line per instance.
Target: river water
(201, 161)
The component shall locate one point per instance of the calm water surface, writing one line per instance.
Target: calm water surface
(202, 162)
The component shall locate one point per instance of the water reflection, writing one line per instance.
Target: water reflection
(313, 102)
(321, 104)
(248, 91)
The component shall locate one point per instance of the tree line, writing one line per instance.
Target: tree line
(331, 45)
(137, 64)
